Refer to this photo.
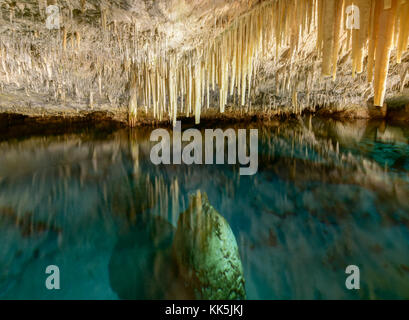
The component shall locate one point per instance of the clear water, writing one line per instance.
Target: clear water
(327, 195)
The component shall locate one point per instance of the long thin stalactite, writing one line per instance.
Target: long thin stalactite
(170, 84)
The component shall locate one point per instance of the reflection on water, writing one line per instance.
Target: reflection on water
(327, 194)
(140, 265)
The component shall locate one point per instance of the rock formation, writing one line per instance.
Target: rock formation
(200, 260)
(167, 58)
(206, 253)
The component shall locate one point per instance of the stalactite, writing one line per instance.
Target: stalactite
(64, 38)
(362, 36)
(339, 11)
(91, 100)
(83, 2)
(78, 40)
(383, 49)
(197, 92)
(174, 83)
(104, 18)
(403, 35)
(373, 35)
(133, 101)
(328, 11)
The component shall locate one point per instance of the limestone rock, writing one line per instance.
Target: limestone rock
(206, 253)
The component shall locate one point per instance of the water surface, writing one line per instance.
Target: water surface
(327, 195)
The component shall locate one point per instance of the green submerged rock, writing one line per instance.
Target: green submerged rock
(206, 253)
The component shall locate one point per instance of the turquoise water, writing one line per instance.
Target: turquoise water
(327, 195)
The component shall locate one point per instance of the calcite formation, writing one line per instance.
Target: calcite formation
(169, 58)
(206, 253)
(229, 62)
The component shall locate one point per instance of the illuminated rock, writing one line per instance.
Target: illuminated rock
(206, 252)
(196, 55)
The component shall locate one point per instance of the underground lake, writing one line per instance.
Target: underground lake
(327, 194)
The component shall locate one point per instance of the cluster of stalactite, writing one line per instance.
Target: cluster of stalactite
(114, 61)
(381, 26)
(89, 65)
(173, 84)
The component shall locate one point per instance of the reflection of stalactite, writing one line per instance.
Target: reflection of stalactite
(149, 190)
(174, 188)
